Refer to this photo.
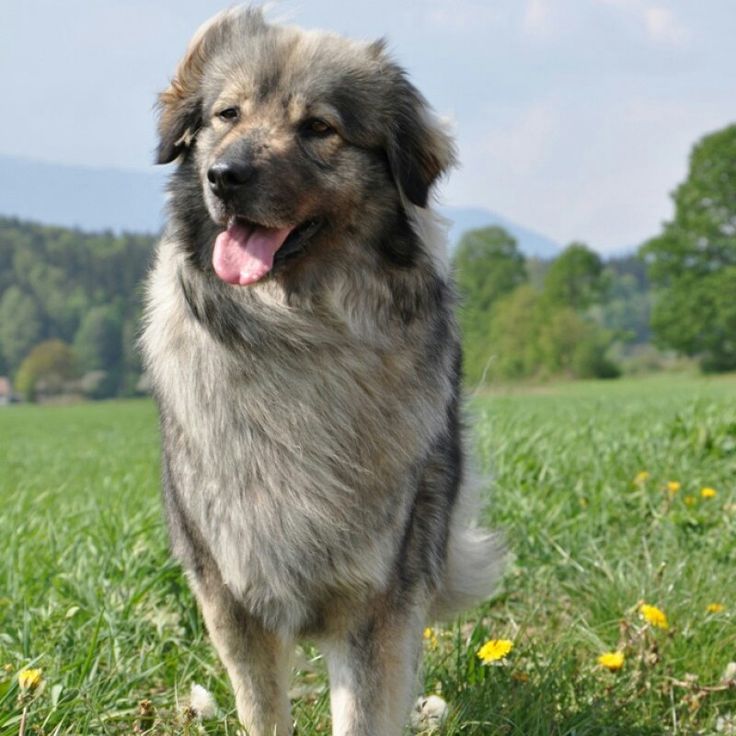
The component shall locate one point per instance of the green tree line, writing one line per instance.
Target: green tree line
(70, 303)
(525, 319)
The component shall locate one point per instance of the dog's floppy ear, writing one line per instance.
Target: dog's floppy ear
(179, 120)
(419, 149)
(180, 104)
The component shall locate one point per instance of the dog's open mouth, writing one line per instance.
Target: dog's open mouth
(246, 251)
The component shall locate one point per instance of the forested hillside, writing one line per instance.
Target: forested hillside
(82, 289)
(70, 304)
(576, 316)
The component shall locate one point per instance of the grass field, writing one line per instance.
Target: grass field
(89, 595)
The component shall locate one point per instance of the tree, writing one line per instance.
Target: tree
(626, 309)
(515, 327)
(575, 278)
(20, 326)
(488, 265)
(531, 338)
(575, 347)
(99, 347)
(693, 262)
(47, 370)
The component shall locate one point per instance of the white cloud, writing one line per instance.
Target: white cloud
(663, 27)
(658, 21)
(537, 19)
(523, 142)
(462, 15)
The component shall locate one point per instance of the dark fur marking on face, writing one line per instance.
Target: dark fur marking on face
(343, 98)
(268, 82)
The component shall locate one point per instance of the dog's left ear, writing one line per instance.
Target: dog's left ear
(419, 149)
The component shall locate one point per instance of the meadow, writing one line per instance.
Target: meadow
(611, 495)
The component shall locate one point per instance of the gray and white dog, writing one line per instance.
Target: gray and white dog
(305, 359)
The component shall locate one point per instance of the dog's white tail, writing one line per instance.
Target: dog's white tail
(475, 561)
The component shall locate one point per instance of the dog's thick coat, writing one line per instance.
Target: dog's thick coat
(312, 456)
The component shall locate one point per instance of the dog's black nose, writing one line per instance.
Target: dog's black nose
(226, 176)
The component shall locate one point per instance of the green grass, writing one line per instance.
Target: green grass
(89, 595)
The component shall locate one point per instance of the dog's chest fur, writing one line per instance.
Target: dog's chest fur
(286, 457)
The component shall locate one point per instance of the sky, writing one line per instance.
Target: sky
(573, 117)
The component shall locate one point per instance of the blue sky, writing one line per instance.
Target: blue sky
(573, 117)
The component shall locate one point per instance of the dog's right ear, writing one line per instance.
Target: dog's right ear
(180, 105)
(180, 117)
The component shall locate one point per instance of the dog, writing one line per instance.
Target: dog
(300, 339)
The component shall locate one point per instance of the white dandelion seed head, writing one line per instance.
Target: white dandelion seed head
(202, 702)
(729, 674)
(430, 712)
(726, 725)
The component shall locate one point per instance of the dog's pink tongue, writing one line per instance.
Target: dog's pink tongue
(244, 254)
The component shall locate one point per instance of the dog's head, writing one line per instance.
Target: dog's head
(293, 137)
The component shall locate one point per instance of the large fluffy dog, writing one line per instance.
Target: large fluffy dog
(300, 338)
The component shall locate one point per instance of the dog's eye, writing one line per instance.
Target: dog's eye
(229, 113)
(318, 128)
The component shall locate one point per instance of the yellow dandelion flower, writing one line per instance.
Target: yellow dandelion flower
(494, 650)
(673, 486)
(708, 492)
(641, 477)
(715, 608)
(611, 660)
(654, 616)
(431, 637)
(29, 679)
(690, 500)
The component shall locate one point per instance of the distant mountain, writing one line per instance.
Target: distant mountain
(86, 198)
(133, 201)
(470, 218)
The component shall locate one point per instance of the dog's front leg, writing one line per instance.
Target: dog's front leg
(256, 660)
(373, 670)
